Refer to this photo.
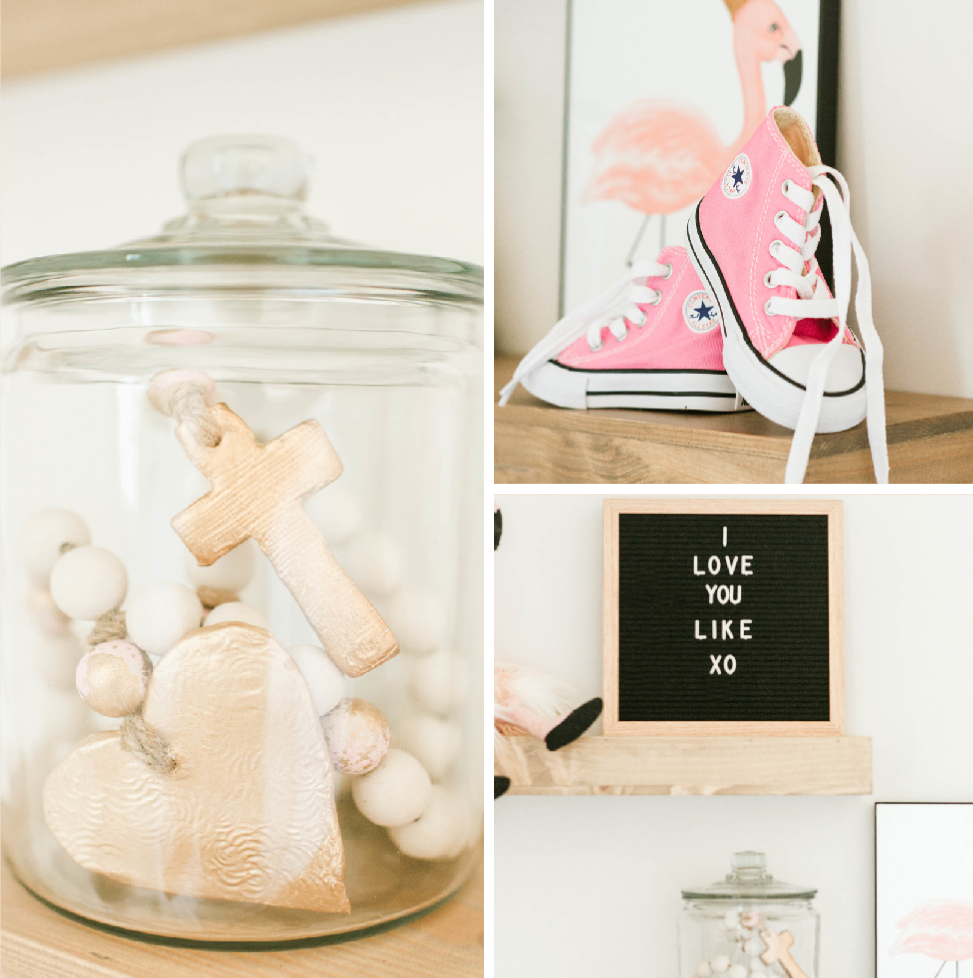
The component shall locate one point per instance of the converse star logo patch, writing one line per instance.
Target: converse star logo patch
(700, 311)
(736, 180)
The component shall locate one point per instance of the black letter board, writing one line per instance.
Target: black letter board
(723, 617)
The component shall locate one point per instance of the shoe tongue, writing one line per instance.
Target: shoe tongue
(798, 137)
(812, 331)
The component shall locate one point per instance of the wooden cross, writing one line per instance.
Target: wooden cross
(257, 492)
(778, 949)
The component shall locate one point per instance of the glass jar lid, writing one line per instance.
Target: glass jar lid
(749, 881)
(245, 223)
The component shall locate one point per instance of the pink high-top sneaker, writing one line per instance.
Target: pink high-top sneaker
(787, 347)
(651, 341)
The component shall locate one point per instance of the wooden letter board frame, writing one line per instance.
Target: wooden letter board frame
(613, 508)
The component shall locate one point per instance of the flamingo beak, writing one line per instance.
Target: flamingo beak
(793, 71)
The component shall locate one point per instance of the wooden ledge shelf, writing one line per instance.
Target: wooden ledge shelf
(930, 441)
(689, 766)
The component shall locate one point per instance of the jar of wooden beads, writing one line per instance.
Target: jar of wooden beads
(242, 536)
(749, 925)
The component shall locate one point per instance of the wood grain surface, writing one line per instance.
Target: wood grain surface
(48, 35)
(930, 441)
(689, 766)
(38, 942)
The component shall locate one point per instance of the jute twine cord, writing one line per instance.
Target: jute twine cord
(110, 627)
(149, 746)
(186, 402)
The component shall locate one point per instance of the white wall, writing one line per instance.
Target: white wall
(904, 142)
(591, 885)
(389, 104)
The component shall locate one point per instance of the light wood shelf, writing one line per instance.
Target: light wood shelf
(38, 942)
(930, 441)
(689, 766)
(48, 35)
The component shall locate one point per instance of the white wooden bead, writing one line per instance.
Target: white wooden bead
(159, 615)
(758, 974)
(357, 734)
(418, 620)
(754, 946)
(737, 971)
(47, 617)
(440, 832)
(434, 742)
(439, 681)
(720, 964)
(375, 563)
(325, 680)
(87, 582)
(232, 572)
(112, 678)
(336, 512)
(48, 535)
(237, 611)
(56, 659)
(731, 919)
(703, 970)
(395, 793)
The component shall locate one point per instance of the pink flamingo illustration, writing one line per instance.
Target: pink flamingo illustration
(658, 155)
(940, 929)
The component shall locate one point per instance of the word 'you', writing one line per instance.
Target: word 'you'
(723, 594)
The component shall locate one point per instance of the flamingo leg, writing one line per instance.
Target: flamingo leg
(943, 965)
(630, 259)
(662, 232)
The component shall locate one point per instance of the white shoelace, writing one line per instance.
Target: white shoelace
(813, 303)
(611, 309)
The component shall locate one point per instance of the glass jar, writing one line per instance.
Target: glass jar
(197, 779)
(748, 926)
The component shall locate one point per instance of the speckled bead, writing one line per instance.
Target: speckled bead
(395, 793)
(325, 680)
(418, 620)
(375, 563)
(439, 682)
(237, 611)
(433, 741)
(440, 832)
(112, 678)
(159, 615)
(87, 582)
(231, 573)
(48, 535)
(357, 734)
(336, 512)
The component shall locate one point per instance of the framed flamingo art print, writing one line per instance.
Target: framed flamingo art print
(924, 890)
(660, 97)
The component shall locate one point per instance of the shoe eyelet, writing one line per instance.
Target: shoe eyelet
(776, 243)
(785, 187)
(658, 297)
(668, 273)
(779, 216)
(767, 281)
(767, 308)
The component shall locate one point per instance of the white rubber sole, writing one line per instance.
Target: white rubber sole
(771, 393)
(682, 390)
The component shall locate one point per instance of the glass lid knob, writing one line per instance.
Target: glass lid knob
(235, 166)
(749, 866)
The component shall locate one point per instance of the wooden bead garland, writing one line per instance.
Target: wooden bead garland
(159, 615)
(325, 680)
(48, 535)
(231, 573)
(394, 793)
(440, 832)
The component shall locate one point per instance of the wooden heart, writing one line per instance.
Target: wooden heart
(247, 814)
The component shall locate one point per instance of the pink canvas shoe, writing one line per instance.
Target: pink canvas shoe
(651, 341)
(787, 346)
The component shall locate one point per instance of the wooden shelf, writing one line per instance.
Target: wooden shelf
(38, 942)
(930, 440)
(689, 766)
(48, 35)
